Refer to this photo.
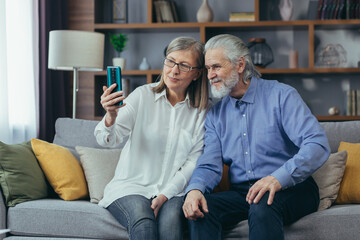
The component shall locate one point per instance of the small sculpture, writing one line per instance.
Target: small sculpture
(144, 65)
(334, 111)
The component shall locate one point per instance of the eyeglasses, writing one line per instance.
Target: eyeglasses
(182, 67)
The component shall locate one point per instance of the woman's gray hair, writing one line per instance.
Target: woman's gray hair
(234, 48)
(187, 43)
(197, 90)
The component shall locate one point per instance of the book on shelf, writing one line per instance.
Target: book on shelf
(324, 8)
(157, 12)
(341, 10)
(348, 8)
(358, 102)
(338, 9)
(319, 9)
(166, 11)
(174, 11)
(242, 16)
(353, 102)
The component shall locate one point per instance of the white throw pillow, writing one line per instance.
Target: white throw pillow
(99, 168)
(328, 178)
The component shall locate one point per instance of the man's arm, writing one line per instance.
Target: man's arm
(209, 166)
(304, 131)
(207, 174)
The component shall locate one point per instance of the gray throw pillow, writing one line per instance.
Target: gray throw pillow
(21, 177)
(328, 178)
(99, 168)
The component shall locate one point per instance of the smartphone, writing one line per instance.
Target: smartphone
(114, 76)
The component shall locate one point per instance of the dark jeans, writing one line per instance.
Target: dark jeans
(134, 213)
(265, 221)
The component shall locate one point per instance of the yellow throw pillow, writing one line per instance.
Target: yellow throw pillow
(61, 169)
(350, 186)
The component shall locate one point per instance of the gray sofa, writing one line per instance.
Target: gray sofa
(59, 219)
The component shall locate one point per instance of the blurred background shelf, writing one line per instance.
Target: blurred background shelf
(320, 87)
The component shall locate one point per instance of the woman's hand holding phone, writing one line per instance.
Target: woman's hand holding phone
(109, 102)
(112, 98)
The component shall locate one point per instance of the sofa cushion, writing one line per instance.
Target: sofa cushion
(350, 186)
(18, 162)
(77, 132)
(99, 168)
(61, 169)
(341, 131)
(332, 224)
(58, 218)
(328, 178)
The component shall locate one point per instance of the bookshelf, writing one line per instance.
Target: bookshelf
(303, 35)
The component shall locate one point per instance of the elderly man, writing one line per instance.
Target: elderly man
(270, 140)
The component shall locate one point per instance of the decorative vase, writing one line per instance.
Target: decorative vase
(293, 59)
(260, 52)
(205, 14)
(286, 9)
(144, 65)
(119, 62)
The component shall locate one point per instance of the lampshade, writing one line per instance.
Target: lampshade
(76, 51)
(70, 49)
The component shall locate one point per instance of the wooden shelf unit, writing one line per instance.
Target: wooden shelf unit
(93, 22)
(337, 118)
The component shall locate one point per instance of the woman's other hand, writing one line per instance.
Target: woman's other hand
(157, 203)
(109, 102)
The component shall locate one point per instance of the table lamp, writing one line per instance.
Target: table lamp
(72, 50)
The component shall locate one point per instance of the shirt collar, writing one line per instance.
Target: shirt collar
(249, 96)
(160, 95)
(163, 95)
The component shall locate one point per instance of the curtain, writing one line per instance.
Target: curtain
(55, 86)
(18, 70)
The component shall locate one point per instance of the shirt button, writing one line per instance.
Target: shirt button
(246, 153)
(243, 115)
(249, 171)
(244, 134)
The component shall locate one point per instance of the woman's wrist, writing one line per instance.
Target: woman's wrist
(109, 120)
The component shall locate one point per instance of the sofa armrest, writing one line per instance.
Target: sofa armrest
(3, 213)
(224, 184)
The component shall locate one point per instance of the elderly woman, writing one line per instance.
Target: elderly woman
(165, 125)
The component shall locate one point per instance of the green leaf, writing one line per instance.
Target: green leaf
(118, 41)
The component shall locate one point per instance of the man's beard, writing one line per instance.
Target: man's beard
(226, 85)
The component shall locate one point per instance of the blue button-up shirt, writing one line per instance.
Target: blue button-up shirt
(269, 131)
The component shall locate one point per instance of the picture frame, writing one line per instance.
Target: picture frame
(119, 11)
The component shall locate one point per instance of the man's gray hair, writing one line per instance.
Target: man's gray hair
(234, 48)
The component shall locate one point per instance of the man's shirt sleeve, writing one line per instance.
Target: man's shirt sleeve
(209, 167)
(304, 130)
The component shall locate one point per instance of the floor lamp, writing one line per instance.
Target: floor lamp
(75, 51)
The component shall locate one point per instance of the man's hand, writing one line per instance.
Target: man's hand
(267, 184)
(157, 203)
(195, 205)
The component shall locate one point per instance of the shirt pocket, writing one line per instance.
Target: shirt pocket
(268, 141)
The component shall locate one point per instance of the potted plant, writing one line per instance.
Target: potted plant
(118, 41)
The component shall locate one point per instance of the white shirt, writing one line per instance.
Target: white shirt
(164, 144)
